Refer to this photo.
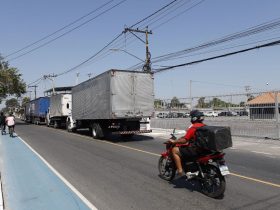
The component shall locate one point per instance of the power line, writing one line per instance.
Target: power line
(119, 35)
(153, 13)
(55, 32)
(111, 42)
(67, 32)
(88, 59)
(219, 56)
(250, 31)
(102, 54)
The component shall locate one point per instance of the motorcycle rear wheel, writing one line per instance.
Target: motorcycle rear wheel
(166, 168)
(214, 183)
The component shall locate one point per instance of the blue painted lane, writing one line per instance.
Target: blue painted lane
(28, 183)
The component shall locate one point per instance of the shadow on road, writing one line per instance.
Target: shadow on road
(191, 185)
(118, 138)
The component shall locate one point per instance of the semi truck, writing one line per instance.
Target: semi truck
(36, 110)
(113, 102)
(59, 109)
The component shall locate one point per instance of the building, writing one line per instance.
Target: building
(263, 106)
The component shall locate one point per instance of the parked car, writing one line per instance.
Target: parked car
(211, 114)
(243, 113)
(227, 113)
(162, 115)
(172, 115)
(186, 115)
(180, 115)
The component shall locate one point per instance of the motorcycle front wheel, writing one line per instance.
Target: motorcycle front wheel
(166, 168)
(214, 183)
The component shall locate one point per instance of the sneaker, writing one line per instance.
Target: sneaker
(191, 175)
(181, 175)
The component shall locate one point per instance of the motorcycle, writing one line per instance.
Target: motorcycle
(209, 169)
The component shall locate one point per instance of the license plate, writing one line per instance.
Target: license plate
(224, 170)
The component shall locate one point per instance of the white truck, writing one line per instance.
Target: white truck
(60, 108)
(112, 102)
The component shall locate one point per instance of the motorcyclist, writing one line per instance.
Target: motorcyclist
(184, 148)
(2, 122)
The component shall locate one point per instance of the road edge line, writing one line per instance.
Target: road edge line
(68, 184)
(1, 195)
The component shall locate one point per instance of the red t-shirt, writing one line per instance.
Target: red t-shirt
(190, 134)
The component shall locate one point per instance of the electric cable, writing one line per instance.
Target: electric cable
(67, 32)
(219, 56)
(61, 29)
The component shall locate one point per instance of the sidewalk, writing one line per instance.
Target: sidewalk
(262, 146)
(29, 184)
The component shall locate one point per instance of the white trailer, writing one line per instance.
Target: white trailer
(112, 102)
(60, 108)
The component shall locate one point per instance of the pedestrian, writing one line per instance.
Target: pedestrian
(3, 123)
(10, 121)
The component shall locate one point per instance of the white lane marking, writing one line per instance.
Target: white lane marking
(274, 147)
(68, 184)
(262, 153)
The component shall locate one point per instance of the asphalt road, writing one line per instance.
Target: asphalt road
(117, 174)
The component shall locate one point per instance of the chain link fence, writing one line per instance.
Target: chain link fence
(247, 114)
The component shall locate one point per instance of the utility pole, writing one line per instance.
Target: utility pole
(191, 93)
(51, 77)
(147, 65)
(247, 90)
(77, 77)
(35, 89)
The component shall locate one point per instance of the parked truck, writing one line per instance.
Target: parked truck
(112, 102)
(36, 110)
(59, 109)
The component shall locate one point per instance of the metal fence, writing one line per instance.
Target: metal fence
(247, 114)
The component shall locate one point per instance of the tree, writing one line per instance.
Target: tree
(201, 103)
(242, 104)
(158, 103)
(25, 100)
(250, 97)
(11, 82)
(12, 103)
(175, 102)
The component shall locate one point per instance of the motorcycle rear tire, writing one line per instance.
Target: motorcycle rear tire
(209, 183)
(166, 168)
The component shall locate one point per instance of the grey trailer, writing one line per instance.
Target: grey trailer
(113, 102)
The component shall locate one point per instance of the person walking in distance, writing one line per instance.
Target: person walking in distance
(3, 123)
(10, 121)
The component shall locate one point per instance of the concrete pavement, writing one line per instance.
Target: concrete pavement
(263, 146)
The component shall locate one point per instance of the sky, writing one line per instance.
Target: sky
(187, 24)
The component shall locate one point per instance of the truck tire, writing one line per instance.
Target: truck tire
(55, 125)
(68, 127)
(97, 132)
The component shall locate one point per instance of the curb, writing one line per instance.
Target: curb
(1, 195)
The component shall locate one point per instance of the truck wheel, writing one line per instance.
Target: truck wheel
(68, 127)
(97, 132)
